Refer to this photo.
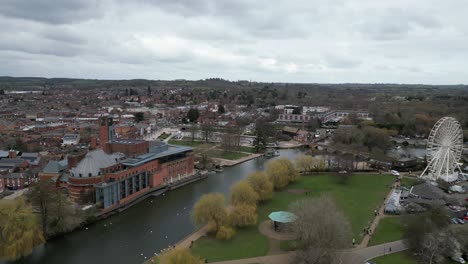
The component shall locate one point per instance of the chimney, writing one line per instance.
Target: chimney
(93, 143)
(12, 154)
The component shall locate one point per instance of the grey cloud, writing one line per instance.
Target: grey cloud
(334, 60)
(284, 40)
(393, 23)
(51, 11)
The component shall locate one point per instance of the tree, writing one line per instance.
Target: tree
(204, 155)
(210, 209)
(314, 124)
(138, 117)
(230, 140)
(57, 213)
(261, 185)
(429, 236)
(148, 91)
(20, 145)
(193, 115)
(281, 172)
(225, 233)
(263, 131)
(193, 131)
(306, 164)
(221, 109)
(179, 256)
(207, 131)
(243, 193)
(321, 230)
(19, 229)
(243, 215)
(375, 138)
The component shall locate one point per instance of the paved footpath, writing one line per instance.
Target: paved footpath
(380, 215)
(353, 256)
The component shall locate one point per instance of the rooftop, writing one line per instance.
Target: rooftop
(173, 149)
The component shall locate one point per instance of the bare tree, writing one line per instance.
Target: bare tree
(230, 140)
(207, 131)
(321, 230)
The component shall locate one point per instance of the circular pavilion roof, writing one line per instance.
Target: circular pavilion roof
(282, 217)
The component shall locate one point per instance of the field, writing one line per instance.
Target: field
(357, 199)
(188, 143)
(229, 155)
(408, 182)
(388, 230)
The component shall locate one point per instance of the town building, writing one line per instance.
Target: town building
(71, 139)
(125, 170)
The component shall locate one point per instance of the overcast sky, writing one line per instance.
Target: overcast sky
(333, 41)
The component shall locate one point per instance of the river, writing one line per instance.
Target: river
(144, 229)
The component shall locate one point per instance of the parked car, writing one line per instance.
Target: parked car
(454, 221)
(458, 259)
(395, 173)
(460, 221)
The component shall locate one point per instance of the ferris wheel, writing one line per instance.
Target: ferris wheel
(444, 150)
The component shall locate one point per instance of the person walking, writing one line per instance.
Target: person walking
(354, 242)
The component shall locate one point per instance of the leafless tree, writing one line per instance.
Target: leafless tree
(321, 229)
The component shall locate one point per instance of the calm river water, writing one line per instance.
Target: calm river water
(143, 229)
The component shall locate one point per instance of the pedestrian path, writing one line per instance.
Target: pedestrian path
(379, 215)
(352, 256)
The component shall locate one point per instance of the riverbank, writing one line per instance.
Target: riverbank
(145, 228)
(229, 163)
(358, 199)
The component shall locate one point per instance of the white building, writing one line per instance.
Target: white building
(71, 139)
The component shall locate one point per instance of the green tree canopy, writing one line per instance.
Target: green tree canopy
(210, 209)
(193, 115)
(243, 193)
(138, 117)
(261, 185)
(19, 229)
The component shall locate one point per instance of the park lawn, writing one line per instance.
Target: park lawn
(164, 135)
(408, 182)
(229, 155)
(288, 245)
(358, 199)
(395, 258)
(246, 149)
(246, 243)
(388, 230)
(188, 143)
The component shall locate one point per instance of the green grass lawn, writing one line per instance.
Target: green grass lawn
(230, 155)
(288, 245)
(395, 258)
(388, 230)
(246, 149)
(246, 243)
(408, 182)
(164, 135)
(358, 199)
(188, 143)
